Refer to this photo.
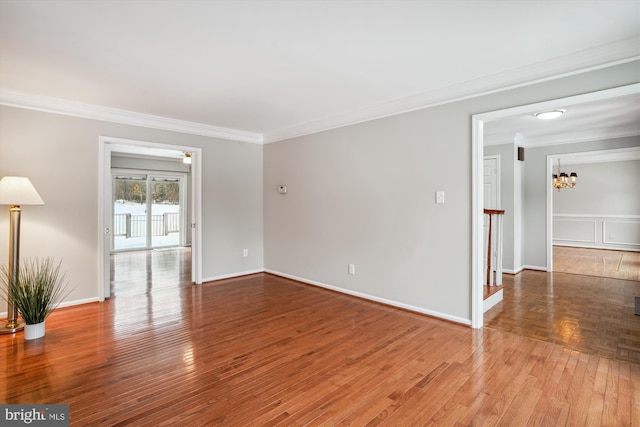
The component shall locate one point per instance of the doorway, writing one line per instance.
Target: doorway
(191, 220)
(478, 124)
(492, 193)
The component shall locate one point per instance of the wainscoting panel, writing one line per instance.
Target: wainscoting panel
(620, 232)
(574, 230)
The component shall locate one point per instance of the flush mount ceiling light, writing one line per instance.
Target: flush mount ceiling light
(548, 115)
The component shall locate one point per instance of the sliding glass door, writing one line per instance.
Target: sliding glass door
(165, 211)
(129, 212)
(148, 211)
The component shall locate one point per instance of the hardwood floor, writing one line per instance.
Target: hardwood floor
(597, 262)
(264, 350)
(591, 314)
(581, 305)
(145, 271)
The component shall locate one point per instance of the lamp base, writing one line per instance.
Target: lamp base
(11, 327)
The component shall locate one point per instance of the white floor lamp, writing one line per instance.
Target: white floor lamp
(15, 191)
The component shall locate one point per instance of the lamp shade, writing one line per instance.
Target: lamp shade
(18, 190)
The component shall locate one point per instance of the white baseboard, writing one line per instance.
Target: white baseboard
(445, 316)
(78, 302)
(534, 267)
(516, 271)
(492, 300)
(3, 315)
(232, 275)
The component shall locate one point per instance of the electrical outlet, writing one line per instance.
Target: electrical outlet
(612, 236)
(245, 252)
(352, 269)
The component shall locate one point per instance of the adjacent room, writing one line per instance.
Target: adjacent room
(273, 212)
(587, 233)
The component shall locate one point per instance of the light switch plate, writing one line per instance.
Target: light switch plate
(440, 197)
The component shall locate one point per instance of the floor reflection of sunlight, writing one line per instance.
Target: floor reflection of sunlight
(187, 357)
(137, 312)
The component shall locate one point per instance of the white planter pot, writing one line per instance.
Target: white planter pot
(32, 332)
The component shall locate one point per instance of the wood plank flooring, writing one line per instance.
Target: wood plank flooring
(145, 271)
(597, 262)
(264, 350)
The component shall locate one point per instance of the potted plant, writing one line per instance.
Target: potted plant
(38, 290)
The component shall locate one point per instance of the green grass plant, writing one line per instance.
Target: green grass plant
(38, 290)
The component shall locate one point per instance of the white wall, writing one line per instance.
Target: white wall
(60, 156)
(365, 194)
(603, 210)
(604, 188)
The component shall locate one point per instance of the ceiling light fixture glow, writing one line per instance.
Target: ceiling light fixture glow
(548, 115)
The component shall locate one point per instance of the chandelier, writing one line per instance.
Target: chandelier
(562, 180)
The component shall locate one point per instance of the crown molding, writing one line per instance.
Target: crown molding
(571, 137)
(601, 156)
(584, 136)
(96, 112)
(601, 57)
(590, 60)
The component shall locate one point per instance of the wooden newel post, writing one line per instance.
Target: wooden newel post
(498, 213)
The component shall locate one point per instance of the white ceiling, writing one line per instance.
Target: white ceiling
(282, 68)
(603, 119)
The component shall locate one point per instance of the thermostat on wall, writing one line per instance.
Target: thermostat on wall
(282, 189)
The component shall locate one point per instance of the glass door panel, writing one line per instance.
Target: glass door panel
(129, 212)
(166, 218)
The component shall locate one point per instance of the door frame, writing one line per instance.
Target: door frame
(477, 166)
(105, 199)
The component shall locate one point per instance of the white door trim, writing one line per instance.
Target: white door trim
(477, 196)
(104, 207)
